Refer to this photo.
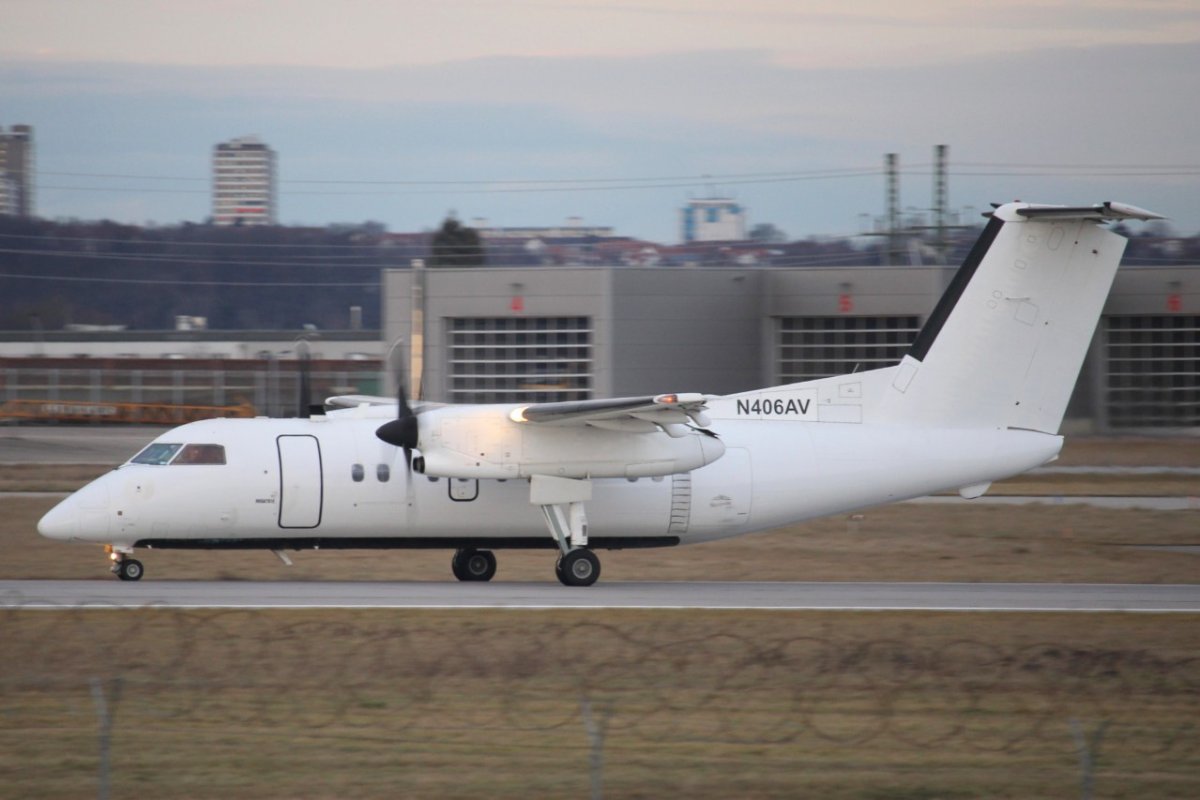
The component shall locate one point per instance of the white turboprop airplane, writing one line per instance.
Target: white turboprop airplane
(979, 397)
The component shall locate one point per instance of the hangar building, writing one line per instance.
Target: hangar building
(562, 333)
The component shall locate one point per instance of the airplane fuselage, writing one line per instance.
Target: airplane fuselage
(330, 482)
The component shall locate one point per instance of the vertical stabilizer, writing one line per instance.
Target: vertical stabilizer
(1004, 346)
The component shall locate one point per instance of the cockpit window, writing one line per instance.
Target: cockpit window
(200, 454)
(157, 453)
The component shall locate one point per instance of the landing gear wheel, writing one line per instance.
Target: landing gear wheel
(473, 565)
(130, 569)
(578, 567)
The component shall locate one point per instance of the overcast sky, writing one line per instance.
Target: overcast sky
(525, 113)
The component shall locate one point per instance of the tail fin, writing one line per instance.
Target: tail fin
(1004, 345)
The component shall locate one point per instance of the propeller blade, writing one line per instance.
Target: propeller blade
(402, 431)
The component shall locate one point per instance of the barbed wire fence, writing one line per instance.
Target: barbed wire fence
(406, 678)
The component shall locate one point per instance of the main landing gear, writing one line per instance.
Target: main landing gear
(579, 567)
(126, 568)
(470, 564)
(561, 501)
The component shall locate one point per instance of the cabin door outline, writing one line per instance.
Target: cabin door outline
(301, 481)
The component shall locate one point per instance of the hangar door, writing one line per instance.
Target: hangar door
(301, 485)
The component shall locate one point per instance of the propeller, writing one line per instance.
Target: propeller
(402, 431)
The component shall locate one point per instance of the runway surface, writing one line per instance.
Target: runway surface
(972, 597)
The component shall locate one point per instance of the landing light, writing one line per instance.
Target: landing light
(518, 414)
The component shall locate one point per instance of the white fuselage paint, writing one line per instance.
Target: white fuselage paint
(293, 478)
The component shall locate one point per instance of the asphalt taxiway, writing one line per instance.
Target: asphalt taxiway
(964, 597)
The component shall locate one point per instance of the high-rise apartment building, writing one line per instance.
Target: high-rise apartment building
(244, 183)
(712, 219)
(16, 170)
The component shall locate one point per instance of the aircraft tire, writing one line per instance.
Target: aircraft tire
(130, 569)
(474, 565)
(578, 567)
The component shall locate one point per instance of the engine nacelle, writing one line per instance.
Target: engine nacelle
(484, 442)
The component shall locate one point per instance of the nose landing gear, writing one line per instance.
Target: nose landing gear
(126, 568)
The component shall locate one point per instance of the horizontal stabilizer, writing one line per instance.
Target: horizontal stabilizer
(1101, 212)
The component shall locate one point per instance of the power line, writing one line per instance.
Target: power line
(671, 181)
(690, 179)
(497, 187)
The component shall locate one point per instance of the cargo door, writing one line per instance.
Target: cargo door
(301, 484)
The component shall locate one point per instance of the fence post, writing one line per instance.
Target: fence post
(1088, 747)
(596, 730)
(106, 710)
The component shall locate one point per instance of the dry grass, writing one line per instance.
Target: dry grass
(700, 704)
(1130, 451)
(1099, 485)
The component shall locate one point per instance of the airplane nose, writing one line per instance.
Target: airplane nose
(60, 522)
(84, 514)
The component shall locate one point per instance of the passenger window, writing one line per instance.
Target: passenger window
(200, 454)
(156, 453)
(356, 472)
(383, 472)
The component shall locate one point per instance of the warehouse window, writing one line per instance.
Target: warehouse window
(519, 359)
(807, 348)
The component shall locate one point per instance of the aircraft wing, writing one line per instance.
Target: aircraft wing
(622, 413)
(359, 400)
